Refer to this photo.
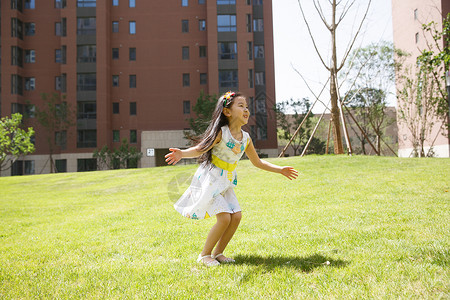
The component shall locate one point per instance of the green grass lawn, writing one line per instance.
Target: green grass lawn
(348, 227)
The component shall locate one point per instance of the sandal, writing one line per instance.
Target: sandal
(213, 263)
(226, 260)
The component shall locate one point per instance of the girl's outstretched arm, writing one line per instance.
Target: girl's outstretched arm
(177, 154)
(289, 172)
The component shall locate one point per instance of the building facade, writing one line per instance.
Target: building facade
(132, 69)
(407, 19)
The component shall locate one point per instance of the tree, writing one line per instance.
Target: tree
(56, 118)
(288, 124)
(203, 110)
(371, 71)
(335, 66)
(123, 157)
(14, 141)
(436, 61)
(423, 97)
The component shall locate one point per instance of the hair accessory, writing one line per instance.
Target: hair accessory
(227, 97)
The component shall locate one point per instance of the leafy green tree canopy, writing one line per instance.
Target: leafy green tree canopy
(14, 141)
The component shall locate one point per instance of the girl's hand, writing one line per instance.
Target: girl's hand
(289, 172)
(173, 157)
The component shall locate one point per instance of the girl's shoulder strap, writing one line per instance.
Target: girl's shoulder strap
(225, 131)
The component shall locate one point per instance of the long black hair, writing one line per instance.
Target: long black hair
(217, 121)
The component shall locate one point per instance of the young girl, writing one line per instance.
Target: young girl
(211, 191)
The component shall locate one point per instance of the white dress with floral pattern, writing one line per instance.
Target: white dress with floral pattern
(211, 190)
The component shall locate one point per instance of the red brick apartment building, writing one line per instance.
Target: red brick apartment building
(154, 58)
(407, 19)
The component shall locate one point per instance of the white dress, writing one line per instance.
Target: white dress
(211, 190)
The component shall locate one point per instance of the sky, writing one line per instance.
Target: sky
(294, 49)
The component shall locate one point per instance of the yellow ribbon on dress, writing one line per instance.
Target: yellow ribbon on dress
(223, 164)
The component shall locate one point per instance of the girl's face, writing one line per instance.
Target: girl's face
(238, 111)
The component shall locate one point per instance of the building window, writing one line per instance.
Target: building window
(30, 83)
(186, 107)
(132, 54)
(58, 29)
(86, 3)
(203, 78)
(259, 51)
(86, 82)
(87, 110)
(186, 79)
(261, 106)
(86, 26)
(202, 51)
(29, 4)
(61, 165)
(16, 84)
(133, 136)
(16, 56)
(115, 53)
(30, 29)
(226, 2)
(201, 2)
(86, 53)
(250, 50)
(251, 106)
(132, 27)
(86, 165)
(249, 23)
(21, 167)
(416, 12)
(87, 138)
(116, 136)
(417, 38)
(133, 108)
(17, 4)
(29, 167)
(61, 139)
(115, 2)
(115, 80)
(202, 25)
(64, 27)
(184, 25)
(133, 81)
(228, 78)
(226, 23)
(63, 82)
(250, 78)
(185, 53)
(58, 56)
(184, 3)
(16, 108)
(258, 25)
(16, 28)
(260, 78)
(30, 111)
(257, 2)
(115, 26)
(227, 50)
(63, 54)
(60, 3)
(131, 3)
(58, 83)
(115, 108)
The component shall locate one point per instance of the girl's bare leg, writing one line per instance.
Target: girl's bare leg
(228, 234)
(216, 232)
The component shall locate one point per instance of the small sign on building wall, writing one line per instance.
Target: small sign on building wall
(150, 152)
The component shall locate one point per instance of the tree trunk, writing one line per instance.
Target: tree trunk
(337, 138)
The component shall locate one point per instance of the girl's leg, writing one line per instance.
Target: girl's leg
(216, 232)
(229, 232)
